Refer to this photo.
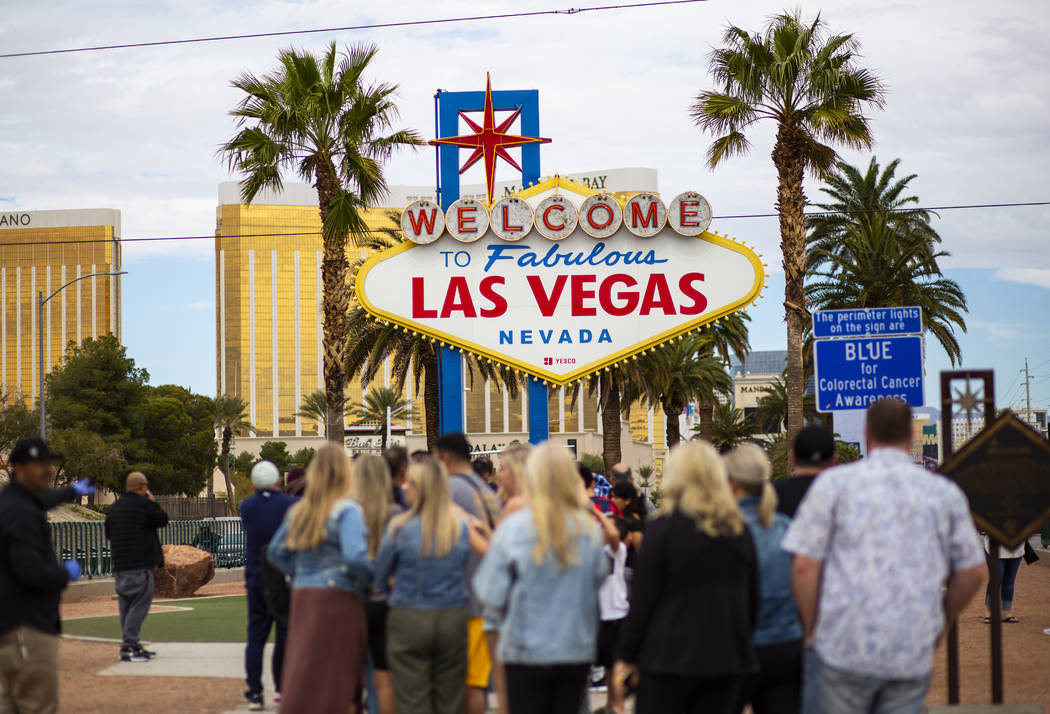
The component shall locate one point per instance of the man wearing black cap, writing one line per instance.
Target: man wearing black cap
(31, 580)
(812, 453)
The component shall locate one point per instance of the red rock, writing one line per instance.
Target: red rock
(185, 571)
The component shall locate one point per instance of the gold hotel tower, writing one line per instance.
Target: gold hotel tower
(39, 252)
(268, 324)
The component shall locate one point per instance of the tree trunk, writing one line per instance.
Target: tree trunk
(789, 159)
(227, 436)
(707, 417)
(335, 302)
(431, 396)
(611, 429)
(673, 433)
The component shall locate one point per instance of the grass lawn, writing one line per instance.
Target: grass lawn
(216, 619)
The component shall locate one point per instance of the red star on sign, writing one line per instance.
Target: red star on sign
(489, 141)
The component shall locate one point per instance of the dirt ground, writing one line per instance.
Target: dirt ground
(1026, 650)
(83, 691)
(98, 606)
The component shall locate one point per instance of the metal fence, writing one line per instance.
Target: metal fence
(86, 542)
(192, 509)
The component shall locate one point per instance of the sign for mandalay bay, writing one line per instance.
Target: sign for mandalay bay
(559, 281)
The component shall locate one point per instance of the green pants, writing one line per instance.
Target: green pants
(427, 654)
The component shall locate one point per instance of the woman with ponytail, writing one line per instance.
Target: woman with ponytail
(778, 634)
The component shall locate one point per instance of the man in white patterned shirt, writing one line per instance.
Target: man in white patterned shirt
(875, 541)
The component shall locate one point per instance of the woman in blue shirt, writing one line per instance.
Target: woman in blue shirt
(323, 545)
(540, 582)
(778, 634)
(425, 552)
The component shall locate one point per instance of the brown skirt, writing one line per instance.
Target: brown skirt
(325, 654)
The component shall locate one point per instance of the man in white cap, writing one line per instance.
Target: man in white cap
(261, 515)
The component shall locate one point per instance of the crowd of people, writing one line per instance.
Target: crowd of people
(413, 584)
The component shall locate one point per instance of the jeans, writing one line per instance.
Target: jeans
(811, 681)
(844, 692)
(135, 593)
(546, 689)
(1007, 575)
(260, 622)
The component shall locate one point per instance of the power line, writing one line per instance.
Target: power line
(351, 28)
(153, 239)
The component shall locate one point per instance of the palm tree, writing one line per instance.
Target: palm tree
(315, 406)
(727, 338)
(732, 427)
(807, 82)
(371, 343)
(375, 405)
(857, 200)
(675, 374)
(772, 405)
(319, 117)
(608, 386)
(230, 416)
(874, 266)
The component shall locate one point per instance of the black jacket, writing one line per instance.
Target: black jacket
(131, 526)
(31, 579)
(694, 602)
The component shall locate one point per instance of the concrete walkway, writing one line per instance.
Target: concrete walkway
(213, 659)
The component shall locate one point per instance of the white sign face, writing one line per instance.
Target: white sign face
(561, 310)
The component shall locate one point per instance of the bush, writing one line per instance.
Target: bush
(594, 462)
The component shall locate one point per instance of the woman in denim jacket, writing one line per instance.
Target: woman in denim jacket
(778, 635)
(540, 582)
(425, 553)
(323, 545)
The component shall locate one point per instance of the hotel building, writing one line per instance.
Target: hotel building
(40, 251)
(268, 331)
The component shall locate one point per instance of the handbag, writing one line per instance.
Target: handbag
(1030, 556)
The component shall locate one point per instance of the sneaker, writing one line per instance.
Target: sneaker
(130, 654)
(255, 701)
(142, 650)
(276, 697)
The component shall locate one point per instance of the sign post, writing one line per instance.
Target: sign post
(863, 355)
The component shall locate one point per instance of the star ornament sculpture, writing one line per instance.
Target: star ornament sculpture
(489, 140)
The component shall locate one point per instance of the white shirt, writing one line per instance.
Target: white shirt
(1005, 552)
(612, 596)
(889, 534)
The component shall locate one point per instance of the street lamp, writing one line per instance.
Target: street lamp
(390, 414)
(40, 337)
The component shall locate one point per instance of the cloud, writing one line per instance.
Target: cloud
(1027, 276)
(201, 305)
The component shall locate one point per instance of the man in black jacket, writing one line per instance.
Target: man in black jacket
(131, 527)
(31, 581)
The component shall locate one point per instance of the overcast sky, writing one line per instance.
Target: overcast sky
(136, 129)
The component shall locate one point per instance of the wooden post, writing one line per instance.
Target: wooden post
(996, 606)
(947, 449)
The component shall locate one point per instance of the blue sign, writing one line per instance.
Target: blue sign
(851, 374)
(867, 322)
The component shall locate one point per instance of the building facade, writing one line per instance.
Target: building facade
(759, 372)
(40, 251)
(268, 319)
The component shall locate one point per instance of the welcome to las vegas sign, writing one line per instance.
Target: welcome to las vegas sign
(559, 281)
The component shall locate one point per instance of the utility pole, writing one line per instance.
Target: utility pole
(1027, 393)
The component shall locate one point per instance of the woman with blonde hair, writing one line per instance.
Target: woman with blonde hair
(374, 492)
(323, 545)
(425, 552)
(539, 582)
(777, 689)
(511, 476)
(687, 638)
